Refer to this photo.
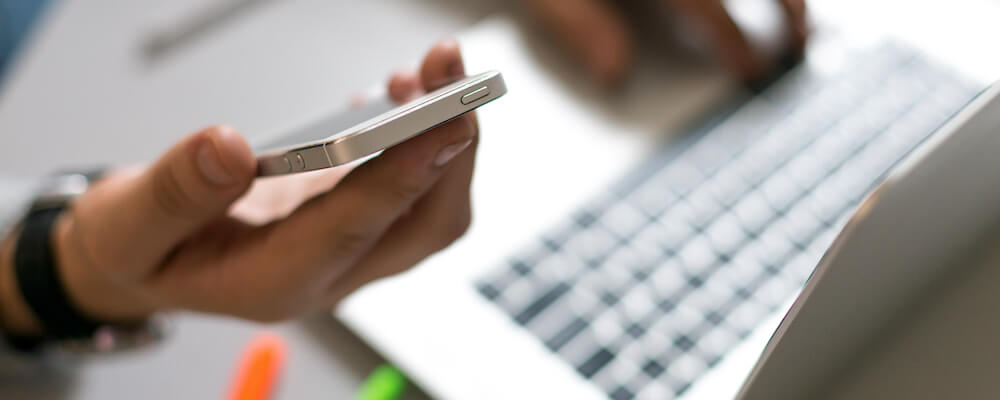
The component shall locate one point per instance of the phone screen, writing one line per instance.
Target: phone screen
(338, 122)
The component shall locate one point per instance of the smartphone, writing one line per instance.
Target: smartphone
(335, 141)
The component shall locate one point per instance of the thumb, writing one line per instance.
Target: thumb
(139, 220)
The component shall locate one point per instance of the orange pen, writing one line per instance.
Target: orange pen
(259, 369)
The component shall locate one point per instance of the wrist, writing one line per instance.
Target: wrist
(15, 316)
(92, 291)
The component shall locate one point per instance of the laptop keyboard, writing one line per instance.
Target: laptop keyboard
(649, 285)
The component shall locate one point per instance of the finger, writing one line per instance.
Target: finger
(727, 41)
(271, 199)
(594, 32)
(442, 65)
(436, 221)
(798, 26)
(357, 100)
(404, 85)
(440, 217)
(334, 229)
(137, 221)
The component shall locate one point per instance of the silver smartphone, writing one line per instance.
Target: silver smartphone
(338, 140)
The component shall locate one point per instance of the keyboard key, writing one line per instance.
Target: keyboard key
(609, 326)
(775, 292)
(746, 316)
(552, 318)
(564, 335)
(621, 393)
(679, 176)
(726, 234)
(704, 207)
(709, 298)
(638, 304)
(798, 225)
(780, 191)
(718, 341)
(684, 318)
(727, 187)
(697, 257)
(742, 270)
(610, 280)
(655, 391)
(654, 242)
(657, 342)
(626, 366)
(559, 267)
(598, 360)
(624, 220)
(686, 367)
(581, 346)
(772, 248)
(754, 212)
(667, 279)
(653, 368)
(670, 235)
(806, 171)
(541, 303)
(625, 258)
(583, 300)
(518, 295)
(680, 213)
(591, 245)
(488, 291)
(652, 198)
(825, 204)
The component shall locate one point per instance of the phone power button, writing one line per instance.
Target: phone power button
(476, 95)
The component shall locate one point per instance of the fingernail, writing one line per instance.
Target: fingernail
(448, 153)
(456, 70)
(211, 166)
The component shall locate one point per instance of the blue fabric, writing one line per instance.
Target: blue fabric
(17, 17)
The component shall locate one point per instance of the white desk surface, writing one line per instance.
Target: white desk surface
(79, 88)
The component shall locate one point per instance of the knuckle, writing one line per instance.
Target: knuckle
(407, 190)
(93, 251)
(350, 242)
(170, 196)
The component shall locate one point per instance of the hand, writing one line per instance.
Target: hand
(196, 231)
(597, 34)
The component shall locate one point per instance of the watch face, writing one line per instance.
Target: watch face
(61, 189)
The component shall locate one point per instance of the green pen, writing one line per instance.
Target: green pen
(384, 383)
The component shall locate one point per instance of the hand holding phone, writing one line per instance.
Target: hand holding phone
(195, 230)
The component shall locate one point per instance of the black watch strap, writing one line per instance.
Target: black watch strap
(38, 279)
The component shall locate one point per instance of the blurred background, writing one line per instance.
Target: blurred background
(107, 81)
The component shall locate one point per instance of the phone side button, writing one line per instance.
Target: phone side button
(300, 163)
(476, 95)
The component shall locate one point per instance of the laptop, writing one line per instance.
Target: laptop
(648, 246)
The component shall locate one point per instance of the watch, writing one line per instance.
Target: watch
(37, 277)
